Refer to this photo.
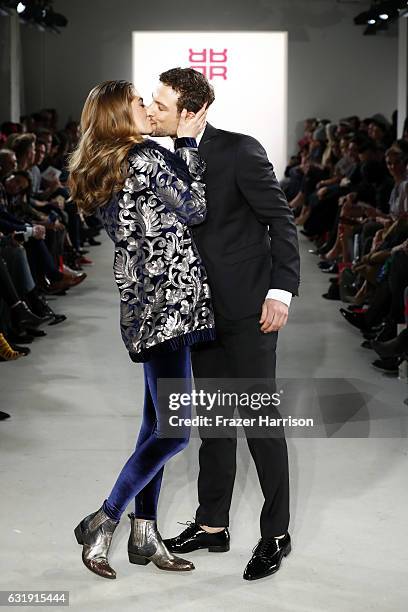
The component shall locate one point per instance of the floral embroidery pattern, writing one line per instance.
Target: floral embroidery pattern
(163, 287)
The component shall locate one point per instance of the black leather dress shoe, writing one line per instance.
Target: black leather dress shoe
(194, 538)
(20, 349)
(356, 319)
(324, 264)
(396, 347)
(332, 269)
(22, 317)
(4, 416)
(267, 557)
(37, 333)
(20, 338)
(388, 365)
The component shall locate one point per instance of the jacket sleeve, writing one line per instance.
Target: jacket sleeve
(175, 179)
(257, 182)
(9, 223)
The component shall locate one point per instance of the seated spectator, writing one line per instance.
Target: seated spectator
(41, 263)
(41, 232)
(73, 133)
(380, 131)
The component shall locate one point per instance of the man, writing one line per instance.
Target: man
(249, 246)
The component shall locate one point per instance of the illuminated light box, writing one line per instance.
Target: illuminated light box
(247, 69)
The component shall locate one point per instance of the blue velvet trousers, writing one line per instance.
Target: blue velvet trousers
(142, 474)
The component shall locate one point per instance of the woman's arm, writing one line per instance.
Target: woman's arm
(176, 180)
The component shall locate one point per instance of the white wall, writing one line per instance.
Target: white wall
(334, 70)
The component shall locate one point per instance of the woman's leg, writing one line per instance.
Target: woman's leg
(146, 464)
(146, 501)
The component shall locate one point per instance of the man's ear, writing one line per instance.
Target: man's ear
(190, 115)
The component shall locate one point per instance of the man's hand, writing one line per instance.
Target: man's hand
(322, 192)
(39, 232)
(274, 315)
(53, 185)
(58, 226)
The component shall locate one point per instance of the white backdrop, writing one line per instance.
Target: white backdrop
(247, 69)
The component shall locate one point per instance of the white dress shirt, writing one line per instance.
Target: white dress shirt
(273, 294)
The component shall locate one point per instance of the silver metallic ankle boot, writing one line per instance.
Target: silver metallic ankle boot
(146, 544)
(95, 533)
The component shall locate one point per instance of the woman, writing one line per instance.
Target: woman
(147, 198)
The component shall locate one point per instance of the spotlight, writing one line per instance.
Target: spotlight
(54, 20)
(39, 13)
(380, 15)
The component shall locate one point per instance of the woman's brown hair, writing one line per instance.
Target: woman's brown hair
(97, 167)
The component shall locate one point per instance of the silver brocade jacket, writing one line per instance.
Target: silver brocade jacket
(165, 299)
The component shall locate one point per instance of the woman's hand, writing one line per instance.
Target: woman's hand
(192, 126)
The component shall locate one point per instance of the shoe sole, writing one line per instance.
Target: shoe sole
(187, 550)
(140, 560)
(389, 372)
(213, 549)
(285, 554)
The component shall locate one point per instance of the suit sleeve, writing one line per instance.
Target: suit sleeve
(178, 186)
(9, 223)
(257, 182)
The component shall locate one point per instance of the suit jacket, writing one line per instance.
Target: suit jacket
(248, 241)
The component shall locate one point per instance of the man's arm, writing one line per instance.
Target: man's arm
(257, 181)
(9, 223)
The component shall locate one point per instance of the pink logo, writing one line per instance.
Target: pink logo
(211, 63)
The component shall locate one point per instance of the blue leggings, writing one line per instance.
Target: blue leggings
(142, 474)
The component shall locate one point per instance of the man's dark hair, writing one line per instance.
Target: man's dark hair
(193, 87)
(9, 127)
(22, 144)
(380, 124)
(399, 149)
(42, 132)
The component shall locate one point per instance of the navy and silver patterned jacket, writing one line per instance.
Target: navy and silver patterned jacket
(164, 294)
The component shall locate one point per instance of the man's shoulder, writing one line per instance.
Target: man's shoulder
(238, 139)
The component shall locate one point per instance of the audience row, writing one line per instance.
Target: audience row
(42, 234)
(348, 188)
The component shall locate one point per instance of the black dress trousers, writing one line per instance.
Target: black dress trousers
(241, 351)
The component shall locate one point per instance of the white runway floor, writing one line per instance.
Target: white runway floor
(75, 406)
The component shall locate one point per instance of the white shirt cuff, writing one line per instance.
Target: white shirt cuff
(281, 295)
(29, 232)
